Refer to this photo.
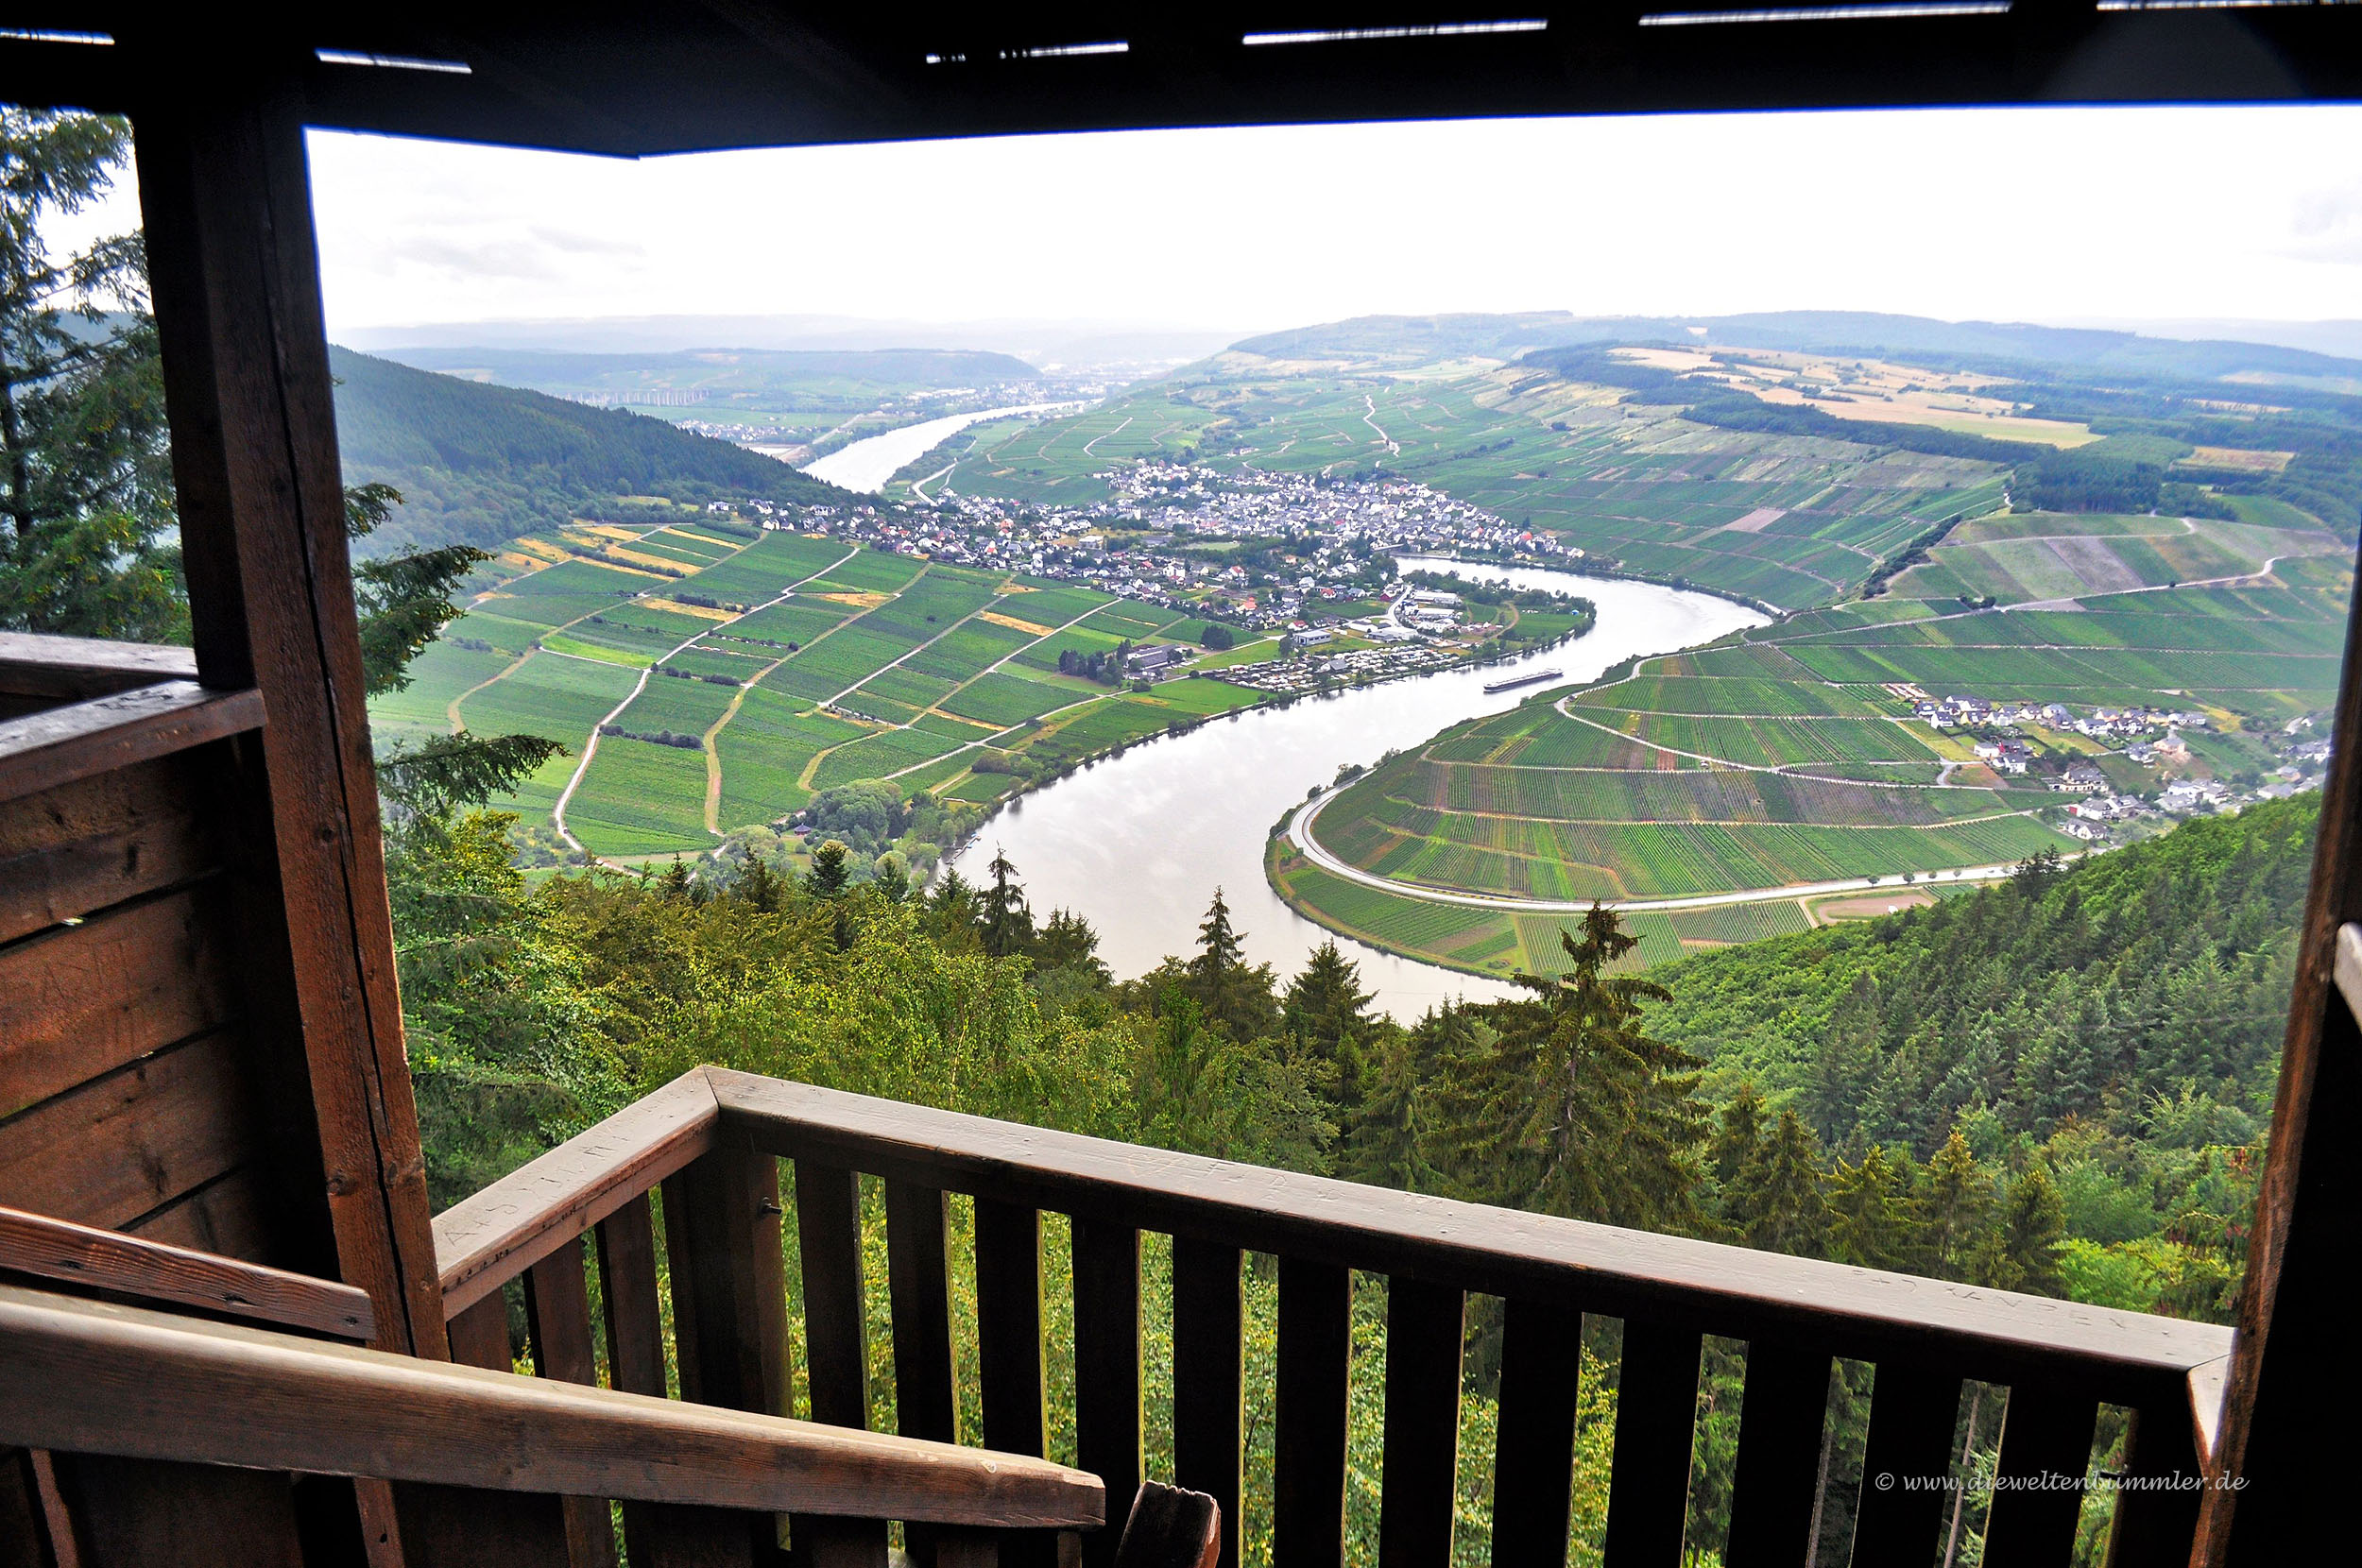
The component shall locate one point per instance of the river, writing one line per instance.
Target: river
(867, 464)
(1139, 842)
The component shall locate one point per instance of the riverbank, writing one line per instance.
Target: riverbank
(1139, 841)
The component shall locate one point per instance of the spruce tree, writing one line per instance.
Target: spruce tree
(1871, 1222)
(1230, 992)
(1955, 1209)
(829, 876)
(1002, 919)
(1327, 1011)
(1738, 1129)
(1573, 1108)
(2021, 1253)
(757, 886)
(1775, 1201)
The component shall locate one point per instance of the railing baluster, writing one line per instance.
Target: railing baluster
(919, 1282)
(1315, 1353)
(2154, 1523)
(1656, 1413)
(1781, 1419)
(828, 1230)
(836, 1351)
(1208, 1346)
(2046, 1450)
(1912, 1412)
(1425, 1325)
(722, 1235)
(479, 1335)
(1533, 1453)
(1008, 1345)
(635, 1332)
(1107, 1372)
(557, 1315)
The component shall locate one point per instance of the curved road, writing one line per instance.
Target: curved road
(1299, 833)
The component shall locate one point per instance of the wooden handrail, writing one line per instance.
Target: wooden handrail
(1602, 1267)
(59, 745)
(108, 1260)
(93, 1378)
(484, 1240)
(69, 669)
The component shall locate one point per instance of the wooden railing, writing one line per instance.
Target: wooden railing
(711, 1140)
(486, 1462)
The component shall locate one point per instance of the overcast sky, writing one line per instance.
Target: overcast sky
(2013, 214)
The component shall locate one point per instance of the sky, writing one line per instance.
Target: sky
(2047, 214)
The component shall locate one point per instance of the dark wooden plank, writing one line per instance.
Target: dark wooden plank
(71, 851)
(226, 206)
(1603, 1269)
(67, 669)
(635, 1333)
(920, 1304)
(491, 1237)
(679, 1537)
(26, 1537)
(154, 1385)
(59, 1250)
(628, 1290)
(112, 1149)
(1781, 1418)
(1424, 1335)
(1008, 1327)
(1171, 1528)
(729, 1293)
(2045, 1451)
(2156, 1516)
(840, 1542)
(1533, 1455)
(1107, 1370)
(1208, 1368)
(479, 1336)
(465, 1528)
(1912, 1414)
(140, 1513)
(59, 745)
(836, 1345)
(81, 1000)
(557, 1321)
(1656, 1414)
(232, 1216)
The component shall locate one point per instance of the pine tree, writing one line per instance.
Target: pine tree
(829, 876)
(2021, 1253)
(1871, 1222)
(1573, 1108)
(675, 883)
(1006, 922)
(1327, 1011)
(1739, 1130)
(1231, 993)
(1385, 1141)
(1954, 1210)
(1067, 941)
(757, 886)
(1775, 1201)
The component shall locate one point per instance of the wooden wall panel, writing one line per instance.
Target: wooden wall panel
(70, 851)
(114, 1149)
(227, 1215)
(81, 1000)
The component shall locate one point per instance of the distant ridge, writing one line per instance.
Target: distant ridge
(1506, 336)
(881, 369)
(480, 464)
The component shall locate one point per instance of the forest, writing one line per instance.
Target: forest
(479, 464)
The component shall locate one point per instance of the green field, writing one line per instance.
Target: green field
(1788, 755)
(814, 664)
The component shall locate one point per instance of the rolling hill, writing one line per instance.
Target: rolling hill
(480, 465)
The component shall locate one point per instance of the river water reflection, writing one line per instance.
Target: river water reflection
(1139, 842)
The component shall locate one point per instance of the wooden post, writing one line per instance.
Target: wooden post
(226, 199)
(2293, 1320)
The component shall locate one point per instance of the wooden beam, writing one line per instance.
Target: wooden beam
(59, 745)
(1500, 1251)
(225, 201)
(108, 1260)
(87, 1377)
(487, 1239)
(69, 669)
